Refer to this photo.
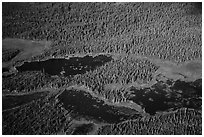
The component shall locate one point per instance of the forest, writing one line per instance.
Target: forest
(135, 35)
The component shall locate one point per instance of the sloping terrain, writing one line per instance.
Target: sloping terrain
(154, 53)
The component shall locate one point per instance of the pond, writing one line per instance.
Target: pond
(66, 67)
(83, 129)
(5, 70)
(83, 104)
(161, 97)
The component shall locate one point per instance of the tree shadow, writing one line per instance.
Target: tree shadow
(196, 9)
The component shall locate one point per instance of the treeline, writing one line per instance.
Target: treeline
(164, 30)
(12, 101)
(182, 122)
(44, 116)
(122, 71)
(8, 54)
(30, 81)
(25, 81)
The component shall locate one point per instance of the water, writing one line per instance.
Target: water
(188, 88)
(66, 67)
(161, 98)
(152, 101)
(83, 104)
(83, 129)
(5, 70)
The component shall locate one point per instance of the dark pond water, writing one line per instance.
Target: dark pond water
(83, 129)
(5, 69)
(83, 104)
(189, 88)
(160, 97)
(11, 101)
(67, 67)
